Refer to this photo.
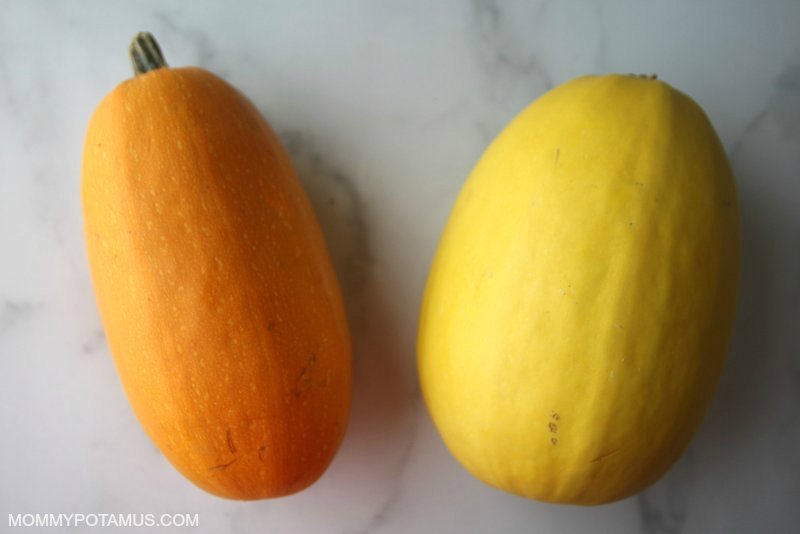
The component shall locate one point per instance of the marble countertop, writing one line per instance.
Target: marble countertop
(385, 107)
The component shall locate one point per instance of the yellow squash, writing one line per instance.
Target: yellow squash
(576, 317)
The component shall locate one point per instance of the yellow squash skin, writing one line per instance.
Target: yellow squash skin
(219, 301)
(577, 313)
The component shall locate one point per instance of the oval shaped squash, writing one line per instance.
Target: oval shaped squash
(214, 284)
(576, 316)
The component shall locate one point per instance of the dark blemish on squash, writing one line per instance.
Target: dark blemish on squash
(229, 439)
(558, 155)
(304, 381)
(606, 455)
(295, 480)
(640, 184)
(271, 326)
(630, 223)
(553, 426)
(261, 450)
(222, 467)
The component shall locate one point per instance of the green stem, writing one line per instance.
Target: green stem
(145, 54)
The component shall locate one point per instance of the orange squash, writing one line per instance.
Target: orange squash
(214, 284)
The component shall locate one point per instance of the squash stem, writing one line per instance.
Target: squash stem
(645, 76)
(145, 53)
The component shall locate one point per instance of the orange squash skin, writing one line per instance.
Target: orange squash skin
(214, 285)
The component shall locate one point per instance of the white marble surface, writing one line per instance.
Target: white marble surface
(385, 107)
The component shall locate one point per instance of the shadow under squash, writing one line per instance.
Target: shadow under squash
(735, 414)
(384, 384)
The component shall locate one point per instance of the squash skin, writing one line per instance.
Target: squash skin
(576, 316)
(216, 291)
